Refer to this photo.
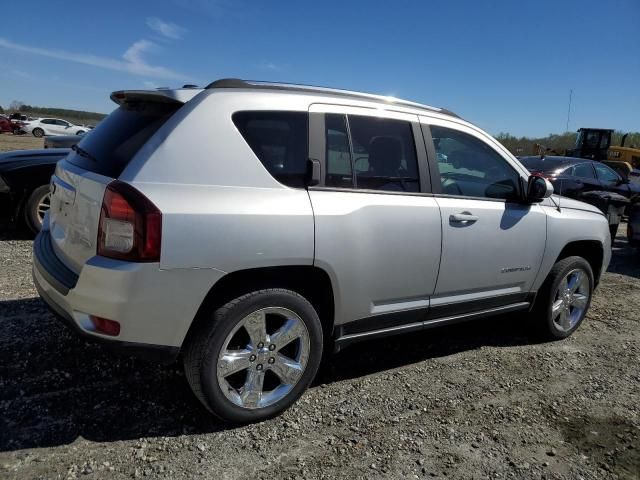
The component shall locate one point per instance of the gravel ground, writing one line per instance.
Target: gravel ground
(479, 400)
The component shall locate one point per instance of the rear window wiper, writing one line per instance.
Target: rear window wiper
(83, 153)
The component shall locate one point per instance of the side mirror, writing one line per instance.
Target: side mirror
(538, 188)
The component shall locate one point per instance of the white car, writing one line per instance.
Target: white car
(52, 126)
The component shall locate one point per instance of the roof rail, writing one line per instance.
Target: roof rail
(262, 85)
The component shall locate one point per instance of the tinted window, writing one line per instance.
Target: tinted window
(471, 168)
(114, 142)
(279, 140)
(338, 153)
(62, 123)
(384, 154)
(606, 174)
(584, 170)
(48, 121)
(592, 140)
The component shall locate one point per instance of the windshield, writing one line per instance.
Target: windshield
(109, 147)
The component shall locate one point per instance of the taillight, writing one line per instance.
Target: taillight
(130, 225)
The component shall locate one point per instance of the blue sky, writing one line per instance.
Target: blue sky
(505, 65)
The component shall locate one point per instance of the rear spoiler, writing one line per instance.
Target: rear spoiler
(177, 96)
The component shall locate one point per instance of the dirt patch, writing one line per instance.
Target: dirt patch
(477, 400)
(10, 142)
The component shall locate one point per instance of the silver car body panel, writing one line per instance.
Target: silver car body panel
(223, 212)
(75, 213)
(153, 306)
(584, 222)
(488, 254)
(381, 251)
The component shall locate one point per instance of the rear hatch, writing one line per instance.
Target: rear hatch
(80, 179)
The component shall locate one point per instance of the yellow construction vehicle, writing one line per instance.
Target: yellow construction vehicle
(595, 144)
(630, 155)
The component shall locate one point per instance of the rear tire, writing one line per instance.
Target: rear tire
(37, 205)
(80, 132)
(38, 132)
(564, 299)
(267, 338)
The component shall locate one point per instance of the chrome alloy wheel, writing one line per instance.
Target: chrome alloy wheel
(263, 357)
(43, 206)
(570, 300)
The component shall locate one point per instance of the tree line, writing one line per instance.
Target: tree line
(557, 142)
(516, 145)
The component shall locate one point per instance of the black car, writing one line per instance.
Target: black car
(572, 177)
(24, 184)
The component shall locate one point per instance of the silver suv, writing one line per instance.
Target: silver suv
(247, 227)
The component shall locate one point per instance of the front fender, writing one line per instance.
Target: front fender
(570, 225)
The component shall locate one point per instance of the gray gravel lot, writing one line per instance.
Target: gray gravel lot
(480, 400)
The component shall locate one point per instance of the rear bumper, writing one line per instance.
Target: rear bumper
(152, 353)
(154, 307)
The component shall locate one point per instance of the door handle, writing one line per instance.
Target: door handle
(464, 217)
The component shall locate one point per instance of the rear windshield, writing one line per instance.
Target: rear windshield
(108, 148)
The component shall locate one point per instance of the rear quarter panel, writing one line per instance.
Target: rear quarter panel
(221, 208)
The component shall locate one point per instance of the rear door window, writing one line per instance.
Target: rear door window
(279, 140)
(116, 139)
(370, 153)
(384, 154)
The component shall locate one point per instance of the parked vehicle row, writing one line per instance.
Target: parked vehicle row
(40, 127)
(266, 223)
(7, 125)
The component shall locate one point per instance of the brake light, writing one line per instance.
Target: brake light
(130, 225)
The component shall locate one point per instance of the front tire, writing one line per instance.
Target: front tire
(38, 132)
(80, 132)
(253, 358)
(36, 207)
(564, 298)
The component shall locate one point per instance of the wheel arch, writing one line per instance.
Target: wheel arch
(591, 250)
(313, 283)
